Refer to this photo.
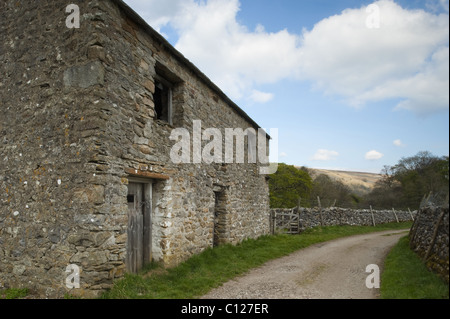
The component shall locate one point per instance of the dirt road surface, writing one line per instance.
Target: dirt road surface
(330, 270)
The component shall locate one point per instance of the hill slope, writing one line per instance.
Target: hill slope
(359, 182)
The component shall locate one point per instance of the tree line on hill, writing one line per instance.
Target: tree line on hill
(404, 185)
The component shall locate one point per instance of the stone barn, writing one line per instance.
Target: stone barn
(89, 188)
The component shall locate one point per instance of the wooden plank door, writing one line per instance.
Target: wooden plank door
(139, 226)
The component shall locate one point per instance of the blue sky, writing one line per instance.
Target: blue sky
(351, 85)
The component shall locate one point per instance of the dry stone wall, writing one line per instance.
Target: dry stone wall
(313, 217)
(429, 239)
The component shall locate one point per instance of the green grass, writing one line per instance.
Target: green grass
(406, 277)
(203, 272)
(13, 293)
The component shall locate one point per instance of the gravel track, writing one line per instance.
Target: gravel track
(330, 270)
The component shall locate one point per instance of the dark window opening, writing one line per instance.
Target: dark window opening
(163, 101)
(130, 198)
(168, 95)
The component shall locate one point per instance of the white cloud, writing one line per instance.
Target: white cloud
(283, 154)
(374, 155)
(235, 58)
(325, 155)
(261, 97)
(158, 13)
(406, 59)
(399, 143)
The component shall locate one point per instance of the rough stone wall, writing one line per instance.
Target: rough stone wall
(50, 133)
(429, 239)
(184, 210)
(313, 217)
(77, 111)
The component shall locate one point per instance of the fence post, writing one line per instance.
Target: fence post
(334, 203)
(422, 202)
(415, 226)
(433, 240)
(373, 218)
(272, 221)
(298, 207)
(395, 214)
(412, 217)
(320, 211)
(426, 200)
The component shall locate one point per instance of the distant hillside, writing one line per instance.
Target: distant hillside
(359, 182)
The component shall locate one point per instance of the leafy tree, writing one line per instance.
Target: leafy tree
(287, 185)
(387, 192)
(331, 192)
(421, 174)
(405, 184)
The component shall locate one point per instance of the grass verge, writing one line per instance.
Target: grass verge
(405, 276)
(213, 267)
(13, 293)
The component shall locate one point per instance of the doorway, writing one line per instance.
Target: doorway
(139, 242)
(219, 231)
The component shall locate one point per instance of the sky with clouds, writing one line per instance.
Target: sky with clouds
(349, 84)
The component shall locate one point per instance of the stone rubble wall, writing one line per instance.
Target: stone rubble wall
(50, 131)
(429, 238)
(313, 217)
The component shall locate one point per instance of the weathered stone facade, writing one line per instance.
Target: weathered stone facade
(79, 123)
(429, 239)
